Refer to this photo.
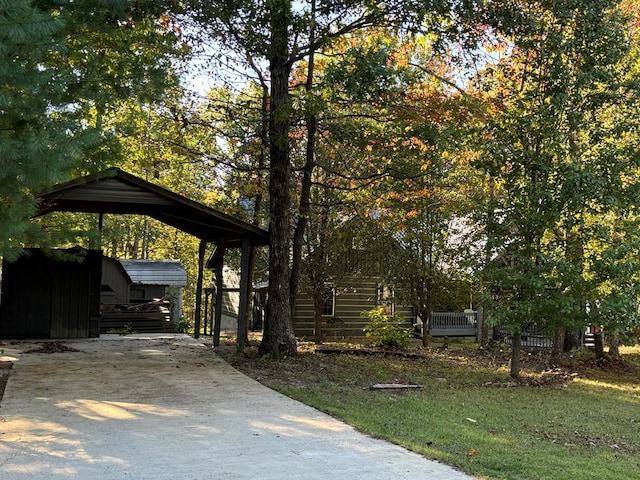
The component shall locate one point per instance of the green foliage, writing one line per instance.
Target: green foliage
(284, 36)
(386, 330)
(183, 326)
(127, 329)
(64, 67)
(35, 145)
(366, 73)
(556, 160)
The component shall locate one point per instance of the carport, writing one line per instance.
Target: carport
(114, 191)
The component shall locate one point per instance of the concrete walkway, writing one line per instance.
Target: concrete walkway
(167, 408)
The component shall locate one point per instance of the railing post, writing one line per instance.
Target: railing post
(479, 323)
(201, 252)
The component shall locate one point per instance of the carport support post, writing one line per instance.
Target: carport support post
(206, 309)
(198, 315)
(244, 293)
(219, 291)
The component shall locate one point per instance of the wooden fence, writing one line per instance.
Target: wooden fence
(147, 317)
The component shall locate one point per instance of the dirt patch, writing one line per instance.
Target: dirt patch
(47, 347)
(548, 378)
(452, 366)
(366, 351)
(52, 347)
(578, 439)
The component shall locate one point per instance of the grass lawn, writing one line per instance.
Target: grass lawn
(581, 421)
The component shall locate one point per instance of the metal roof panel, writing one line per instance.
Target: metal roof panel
(115, 191)
(155, 272)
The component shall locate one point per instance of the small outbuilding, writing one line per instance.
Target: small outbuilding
(52, 294)
(145, 295)
(136, 281)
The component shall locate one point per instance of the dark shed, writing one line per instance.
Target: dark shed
(55, 295)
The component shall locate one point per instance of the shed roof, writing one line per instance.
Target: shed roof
(118, 192)
(155, 272)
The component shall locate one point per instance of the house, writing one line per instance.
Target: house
(230, 300)
(344, 302)
(353, 261)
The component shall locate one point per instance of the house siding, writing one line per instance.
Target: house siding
(230, 299)
(353, 296)
(116, 279)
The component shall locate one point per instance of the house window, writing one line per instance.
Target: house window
(329, 302)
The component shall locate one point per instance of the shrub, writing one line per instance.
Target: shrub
(182, 327)
(386, 330)
(127, 329)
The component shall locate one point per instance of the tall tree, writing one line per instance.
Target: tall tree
(35, 147)
(546, 148)
(62, 66)
(279, 339)
(386, 150)
(249, 35)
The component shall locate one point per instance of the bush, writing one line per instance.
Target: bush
(127, 329)
(182, 327)
(386, 330)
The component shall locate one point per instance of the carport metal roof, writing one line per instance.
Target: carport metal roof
(115, 191)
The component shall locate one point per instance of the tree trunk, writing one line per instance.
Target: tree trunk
(598, 344)
(426, 314)
(278, 339)
(614, 345)
(487, 258)
(484, 331)
(257, 207)
(571, 340)
(516, 345)
(557, 348)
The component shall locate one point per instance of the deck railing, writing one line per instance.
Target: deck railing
(465, 324)
(453, 324)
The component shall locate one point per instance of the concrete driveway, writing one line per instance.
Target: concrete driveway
(168, 408)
